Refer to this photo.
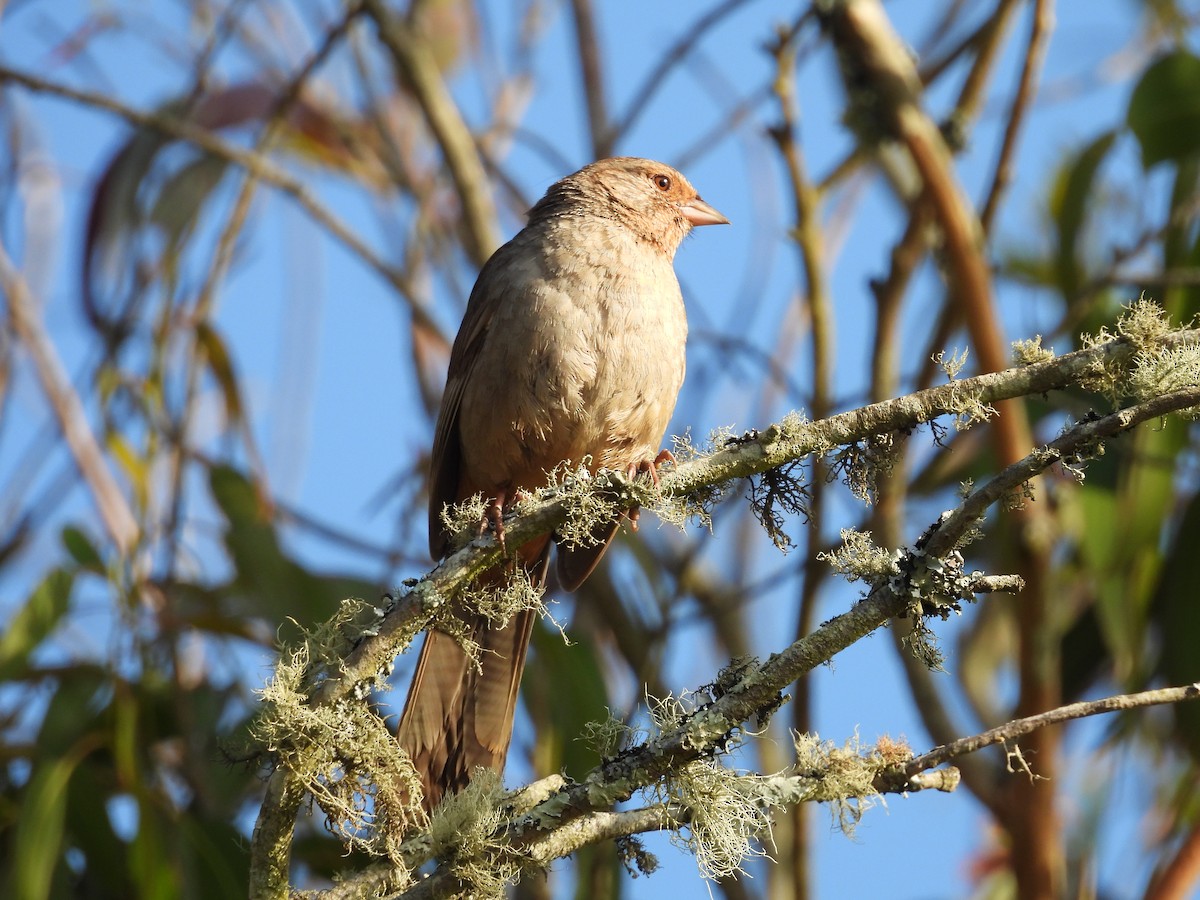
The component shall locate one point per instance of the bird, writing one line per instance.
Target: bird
(571, 350)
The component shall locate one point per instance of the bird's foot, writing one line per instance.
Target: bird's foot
(647, 467)
(493, 515)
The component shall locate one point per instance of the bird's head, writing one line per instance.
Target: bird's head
(651, 198)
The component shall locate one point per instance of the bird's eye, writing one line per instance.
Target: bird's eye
(663, 182)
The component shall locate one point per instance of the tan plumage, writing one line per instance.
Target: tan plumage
(572, 346)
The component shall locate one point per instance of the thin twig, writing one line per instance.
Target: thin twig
(587, 43)
(415, 61)
(260, 166)
(110, 501)
(1010, 731)
(1035, 55)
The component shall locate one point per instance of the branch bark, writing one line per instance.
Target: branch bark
(111, 503)
(416, 63)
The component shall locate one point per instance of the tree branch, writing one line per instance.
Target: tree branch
(895, 779)
(110, 501)
(750, 691)
(417, 65)
(753, 454)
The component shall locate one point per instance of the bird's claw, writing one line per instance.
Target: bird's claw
(493, 516)
(650, 467)
(646, 467)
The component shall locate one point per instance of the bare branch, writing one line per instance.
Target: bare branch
(258, 165)
(110, 501)
(1013, 730)
(415, 61)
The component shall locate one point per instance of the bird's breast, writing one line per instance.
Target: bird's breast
(591, 350)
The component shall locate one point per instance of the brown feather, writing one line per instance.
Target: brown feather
(458, 716)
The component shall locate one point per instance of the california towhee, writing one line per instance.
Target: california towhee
(572, 348)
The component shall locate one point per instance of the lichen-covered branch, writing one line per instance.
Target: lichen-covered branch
(754, 453)
(1143, 360)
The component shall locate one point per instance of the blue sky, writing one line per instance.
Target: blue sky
(320, 342)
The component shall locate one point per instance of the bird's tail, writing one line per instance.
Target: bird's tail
(459, 712)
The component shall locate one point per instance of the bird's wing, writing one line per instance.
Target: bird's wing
(446, 463)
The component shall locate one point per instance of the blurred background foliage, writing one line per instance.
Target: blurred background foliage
(168, 511)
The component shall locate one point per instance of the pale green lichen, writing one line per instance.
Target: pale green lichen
(1028, 352)
(497, 601)
(344, 755)
(463, 834)
(1164, 370)
(592, 502)
(607, 737)
(328, 643)
(728, 812)
(729, 815)
(969, 408)
(796, 434)
(953, 364)
(1144, 324)
(463, 520)
(697, 505)
(860, 559)
(844, 776)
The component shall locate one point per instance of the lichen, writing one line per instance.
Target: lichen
(697, 505)
(844, 776)
(1030, 351)
(953, 364)
(1145, 324)
(463, 834)
(344, 755)
(860, 559)
(729, 815)
(864, 465)
(1164, 370)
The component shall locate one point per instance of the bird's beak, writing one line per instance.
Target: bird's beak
(700, 213)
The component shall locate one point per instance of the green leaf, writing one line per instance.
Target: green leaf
(1073, 193)
(179, 203)
(215, 858)
(91, 829)
(221, 365)
(1164, 110)
(34, 621)
(1178, 616)
(37, 845)
(564, 691)
(267, 581)
(150, 864)
(82, 550)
